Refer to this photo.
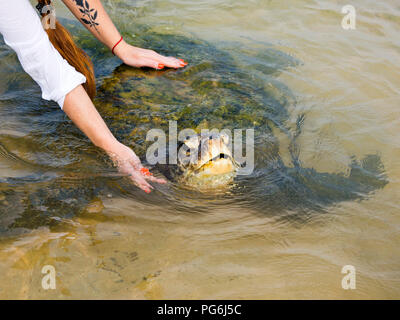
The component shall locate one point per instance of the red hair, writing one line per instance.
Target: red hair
(76, 57)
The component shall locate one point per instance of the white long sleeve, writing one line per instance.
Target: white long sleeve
(22, 30)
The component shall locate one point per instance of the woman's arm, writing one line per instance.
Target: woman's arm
(81, 111)
(93, 16)
(23, 31)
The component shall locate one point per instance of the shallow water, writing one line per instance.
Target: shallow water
(324, 193)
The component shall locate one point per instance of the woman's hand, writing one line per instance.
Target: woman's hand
(128, 163)
(138, 57)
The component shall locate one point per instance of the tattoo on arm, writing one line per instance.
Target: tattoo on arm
(89, 15)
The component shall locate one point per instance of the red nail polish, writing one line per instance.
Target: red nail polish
(160, 66)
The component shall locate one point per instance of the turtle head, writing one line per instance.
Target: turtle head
(206, 156)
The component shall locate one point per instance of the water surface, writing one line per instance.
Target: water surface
(324, 105)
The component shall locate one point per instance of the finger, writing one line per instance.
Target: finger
(157, 180)
(170, 62)
(160, 64)
(144, 171)
(149, 176)
(152, 63)
(141, 183)
(173, 62)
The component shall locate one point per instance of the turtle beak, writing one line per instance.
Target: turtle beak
(217, 164)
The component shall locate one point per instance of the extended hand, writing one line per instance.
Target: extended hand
(138, 57)
(128, 163)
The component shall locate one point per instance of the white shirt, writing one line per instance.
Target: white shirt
(22, 30)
